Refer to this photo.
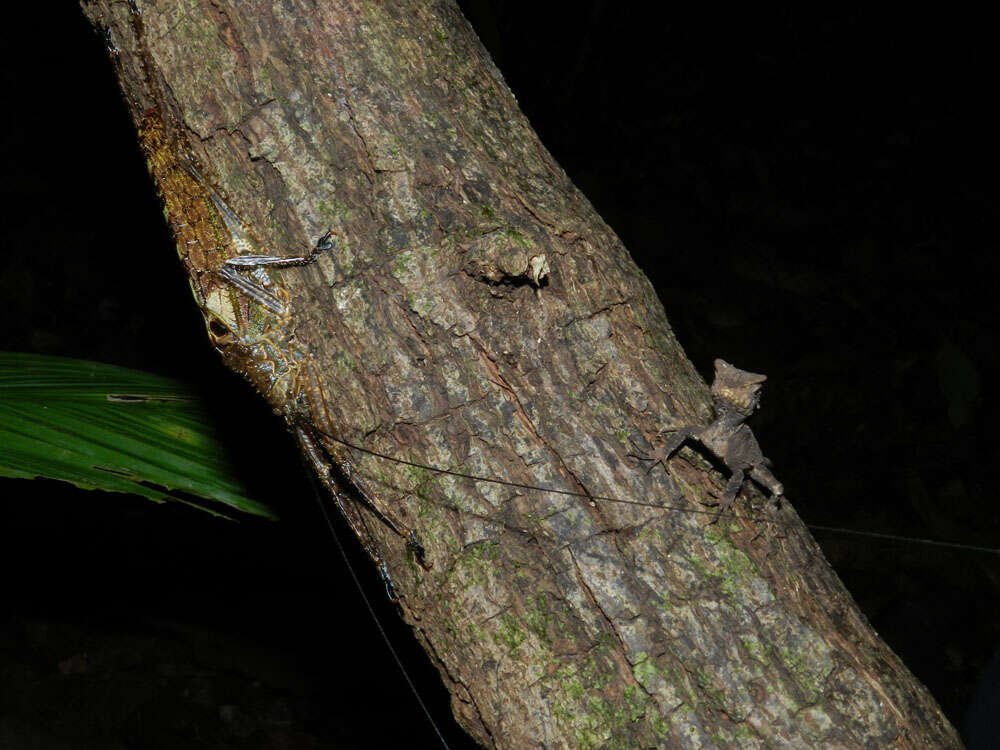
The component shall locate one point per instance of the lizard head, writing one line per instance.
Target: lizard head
(737, 388)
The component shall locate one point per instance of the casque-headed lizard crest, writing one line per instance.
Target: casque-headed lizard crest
(735, 396)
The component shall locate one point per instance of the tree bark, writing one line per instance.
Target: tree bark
(475, 314)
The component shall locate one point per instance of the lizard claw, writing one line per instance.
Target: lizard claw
(656, 457)
(668, 447)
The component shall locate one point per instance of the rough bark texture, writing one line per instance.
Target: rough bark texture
(476, 314)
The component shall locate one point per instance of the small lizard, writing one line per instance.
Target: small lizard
(219, 251)
(735, 395)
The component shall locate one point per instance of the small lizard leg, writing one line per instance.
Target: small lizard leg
(669, 447)
(257, 291)
(253, 290)
(282, 261)
(321, 462)
(729, 494)
(316, 458)
(763, 476)
(390, 586)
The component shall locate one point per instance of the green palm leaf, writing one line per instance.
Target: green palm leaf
(110, 428)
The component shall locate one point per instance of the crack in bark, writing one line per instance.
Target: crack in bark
(343, 89)
(522, 415)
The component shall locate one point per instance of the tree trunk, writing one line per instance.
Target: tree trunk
(475, 314)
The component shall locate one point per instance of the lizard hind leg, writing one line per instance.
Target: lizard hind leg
(763, 476)
(339, 478)
(321, 467)
(728, 496)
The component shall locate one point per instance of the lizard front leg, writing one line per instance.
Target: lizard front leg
(729, 494)
(256, 291)
(282, 261)
(668, 448)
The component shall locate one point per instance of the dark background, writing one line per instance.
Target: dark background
(813, 197)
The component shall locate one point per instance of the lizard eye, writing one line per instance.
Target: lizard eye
(219, 332)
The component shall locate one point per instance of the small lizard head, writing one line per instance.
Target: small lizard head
(736, 388)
